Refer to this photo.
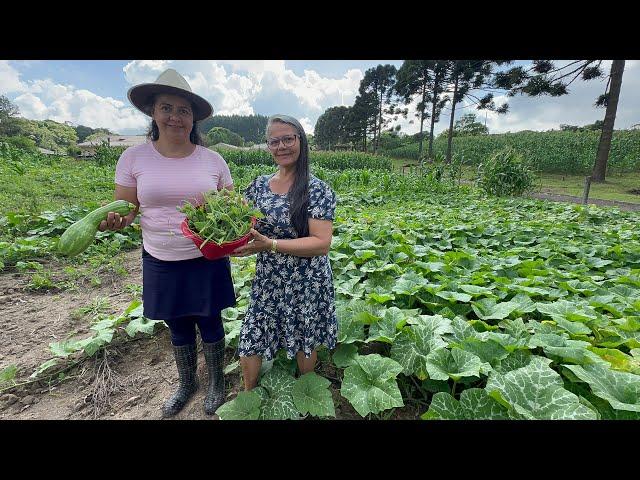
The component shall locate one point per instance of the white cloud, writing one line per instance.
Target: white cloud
(47, 100)
(235, 87)
(246, 87)
(9, 79)
(31, 107)
(306, 125)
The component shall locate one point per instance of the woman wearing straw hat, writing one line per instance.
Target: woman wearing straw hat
(292, 296)
(180, 286)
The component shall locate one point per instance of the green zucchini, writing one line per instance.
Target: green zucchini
(77, 238)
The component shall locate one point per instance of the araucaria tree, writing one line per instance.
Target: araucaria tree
(544, 78)
(467, 76)
(413, 79)
(437, 86)
(379, 81)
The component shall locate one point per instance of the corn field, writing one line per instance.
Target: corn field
(553, 152)
(330, 160)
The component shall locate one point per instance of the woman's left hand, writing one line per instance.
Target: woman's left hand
(258, 243)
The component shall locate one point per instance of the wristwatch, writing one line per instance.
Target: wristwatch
(274, 246)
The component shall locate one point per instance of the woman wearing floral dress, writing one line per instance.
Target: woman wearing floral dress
(292, 298)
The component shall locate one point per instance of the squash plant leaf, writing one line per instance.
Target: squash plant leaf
(279, 403)
(536, 392)
(515, 360)
(411, 348)
(443, 364)
(370, 385)
(345, 355)
(620, 389)
(488, 309)
(246, 406)
(311, 395)
(349, 329)
(387, 328)
(474, 404)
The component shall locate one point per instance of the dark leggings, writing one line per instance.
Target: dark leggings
(183, 329)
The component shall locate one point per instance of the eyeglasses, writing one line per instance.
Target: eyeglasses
(167, 110)
(287, 141)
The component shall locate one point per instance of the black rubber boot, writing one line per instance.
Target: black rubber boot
(186, 361)
(214, 355)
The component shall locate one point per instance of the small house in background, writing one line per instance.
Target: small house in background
(88, 149)
(45, 151)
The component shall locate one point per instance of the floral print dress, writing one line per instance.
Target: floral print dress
(292, 298)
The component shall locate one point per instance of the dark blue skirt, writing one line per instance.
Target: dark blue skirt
(196, 287)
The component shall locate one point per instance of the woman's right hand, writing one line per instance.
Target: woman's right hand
(114, 221)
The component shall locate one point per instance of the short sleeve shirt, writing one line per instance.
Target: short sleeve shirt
(163, 184)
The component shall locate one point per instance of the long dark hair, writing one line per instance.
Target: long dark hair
(153, 133)
(298, 195)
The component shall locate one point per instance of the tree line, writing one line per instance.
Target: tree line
(385, 93)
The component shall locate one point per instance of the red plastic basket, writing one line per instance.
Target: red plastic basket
(213, 251)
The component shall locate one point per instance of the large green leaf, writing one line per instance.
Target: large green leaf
(370, 385)
(515, 360)
(349, 329)
(489, 351)
(474, 404)
(443, 364)
(246, 406)
(475, 290)
(101, 338)
(438, 324)
(563, 310)
(537, 392)
(387, 328)
(311, 395)
(232, 331)
(279, 405)
(461, 331)
(412, 346)
(141, 324)
(618, 360)
(345, 355)
(488, 309)
(454, 296)
(409, 284)
(573, 352)
(620, 389)
(523, 304)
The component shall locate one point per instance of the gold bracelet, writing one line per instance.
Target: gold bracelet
(274, 246)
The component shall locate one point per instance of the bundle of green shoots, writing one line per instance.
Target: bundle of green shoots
(223, 216)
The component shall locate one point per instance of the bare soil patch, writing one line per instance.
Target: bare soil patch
(141, 373)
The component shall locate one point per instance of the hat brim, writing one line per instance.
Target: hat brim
(141, 96)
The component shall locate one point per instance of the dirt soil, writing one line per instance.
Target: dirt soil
(143, 372)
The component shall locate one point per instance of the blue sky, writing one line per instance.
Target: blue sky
(93, 92)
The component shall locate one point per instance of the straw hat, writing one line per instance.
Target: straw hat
(172, 83)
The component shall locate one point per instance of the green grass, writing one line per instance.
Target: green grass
(62, 184)
(616, 187)
(556, 152)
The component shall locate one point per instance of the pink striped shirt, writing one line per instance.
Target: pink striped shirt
(162, 185)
